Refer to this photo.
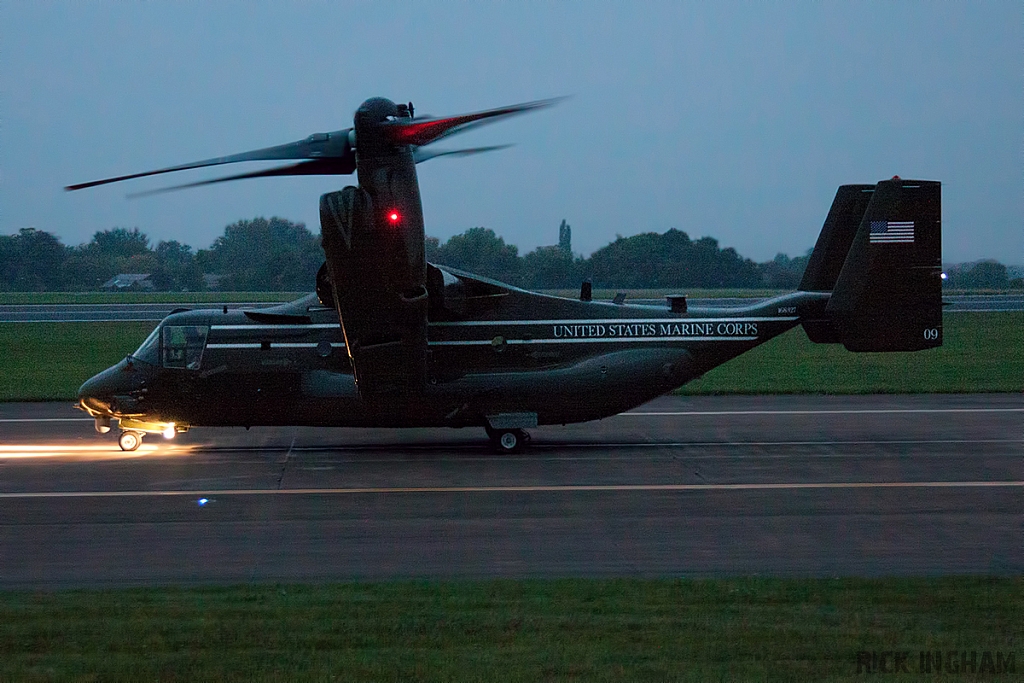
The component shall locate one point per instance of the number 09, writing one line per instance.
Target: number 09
(931, 334)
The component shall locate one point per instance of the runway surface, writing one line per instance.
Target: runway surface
(789, 486)
(31, 313)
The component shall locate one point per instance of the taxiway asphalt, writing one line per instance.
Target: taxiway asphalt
(35, 313)
(96, 313)
(710, 486)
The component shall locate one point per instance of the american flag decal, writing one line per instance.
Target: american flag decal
(891, 232)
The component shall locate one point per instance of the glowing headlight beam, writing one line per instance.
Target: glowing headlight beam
(87, 452)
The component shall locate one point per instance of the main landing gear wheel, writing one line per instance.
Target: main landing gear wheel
(508, 440)
(129, 441)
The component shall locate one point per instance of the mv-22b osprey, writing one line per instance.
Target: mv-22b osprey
(390, 340)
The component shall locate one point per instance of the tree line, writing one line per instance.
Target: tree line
(986, 274)
(251, 255)
(648, 260)
(278, 255)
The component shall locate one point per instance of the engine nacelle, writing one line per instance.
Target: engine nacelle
(378, 287)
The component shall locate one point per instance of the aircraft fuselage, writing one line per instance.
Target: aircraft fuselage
(495, 351)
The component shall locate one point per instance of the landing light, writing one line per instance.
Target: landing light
(169, 431)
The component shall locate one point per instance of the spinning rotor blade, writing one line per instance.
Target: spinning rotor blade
(314, 167)
(319, 146)
(425, 131)
(421, 155)
(333, 153)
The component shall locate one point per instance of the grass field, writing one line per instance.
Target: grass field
(750, 629)
(981, 352)
(49, 361)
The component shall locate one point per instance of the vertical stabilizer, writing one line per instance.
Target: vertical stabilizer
(836, 237)
(888, 296)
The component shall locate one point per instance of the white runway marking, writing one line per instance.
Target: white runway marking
(557, 445)
(687, 413)
(8, 451)
(872, 411)
(518, 489)
(48, 419)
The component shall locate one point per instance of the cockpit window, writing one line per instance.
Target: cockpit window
(183, 345)
(149, 352)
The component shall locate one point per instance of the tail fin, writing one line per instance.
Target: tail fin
(887, 295)
(836, 236)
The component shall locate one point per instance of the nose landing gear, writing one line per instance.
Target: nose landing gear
(129, 440)
(134, 429)
(508, 440)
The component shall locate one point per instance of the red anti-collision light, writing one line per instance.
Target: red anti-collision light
(393, 216)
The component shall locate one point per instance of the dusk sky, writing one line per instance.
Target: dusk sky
(731, 120)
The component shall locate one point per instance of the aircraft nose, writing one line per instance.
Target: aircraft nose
(98, 392)
(90, 398)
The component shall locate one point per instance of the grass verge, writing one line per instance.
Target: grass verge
(49, 361)
(981, 352)
(572, 629)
